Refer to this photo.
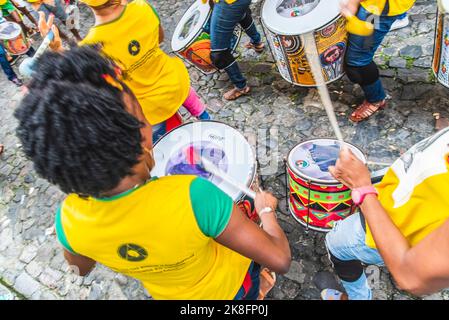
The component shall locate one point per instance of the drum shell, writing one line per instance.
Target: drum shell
(291, 60)
(440, 61)
(197, 51)
(17, 45)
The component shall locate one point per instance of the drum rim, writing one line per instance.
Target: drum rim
(311, 179)
(304, 224)
(277, 29)
(18, 29)
(241, 195)
(196, 34)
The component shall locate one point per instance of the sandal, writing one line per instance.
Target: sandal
(366, 110)
(257, 47)
(267, 281)
(236, 93)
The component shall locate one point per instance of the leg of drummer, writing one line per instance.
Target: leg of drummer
(360, 67)
(249, 26)
(7, 69)
(347, 250)
(224, 19)
(195, 106)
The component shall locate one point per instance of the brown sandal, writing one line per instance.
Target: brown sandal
(236, 93)
(256, 47)
(366, 110)
(267, 281)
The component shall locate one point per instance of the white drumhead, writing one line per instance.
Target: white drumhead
(295, 17)
(445, 5)
(9, 30)
(190, 24)
(216, 141)
(311, 159)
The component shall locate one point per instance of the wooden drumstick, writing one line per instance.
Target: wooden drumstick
(193, 158)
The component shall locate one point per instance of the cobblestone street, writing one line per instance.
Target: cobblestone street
(277, 115)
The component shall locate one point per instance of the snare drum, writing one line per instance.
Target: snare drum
(191, 38)
(13, 38)
(316, 199)
(440, 64)
(220, 144)
(284, 22)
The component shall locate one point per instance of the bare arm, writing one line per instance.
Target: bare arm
(422, 269)
(268, 246)
(161, 34)
(84, 264)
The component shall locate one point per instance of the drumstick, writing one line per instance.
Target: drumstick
(315, 66)
(193, 158)
(26, 68)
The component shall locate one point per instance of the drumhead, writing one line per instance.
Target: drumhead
(445, 5)
(190, 25)
(310, 159)
(294, 17)
(9, 30)
(221, 144)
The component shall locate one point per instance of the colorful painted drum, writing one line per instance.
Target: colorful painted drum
(220, 144)
(13, 38)
(191, 38)
(440, 63)
(285, 21)
(316, 199)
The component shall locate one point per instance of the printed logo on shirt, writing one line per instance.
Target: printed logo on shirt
(132, 252)
(134, 47)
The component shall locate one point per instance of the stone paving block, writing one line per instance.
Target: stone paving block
(26, 285)
(28, 253)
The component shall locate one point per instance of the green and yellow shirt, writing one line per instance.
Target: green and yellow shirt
(161, 83)
(161, 233)
(415, 190)
(392, 7)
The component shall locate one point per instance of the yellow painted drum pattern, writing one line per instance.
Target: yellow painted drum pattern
(440, 64)
(291, 60)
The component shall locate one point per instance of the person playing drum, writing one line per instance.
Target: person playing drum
(180, 235)
(359, 65)
(403, 222)
(11, 13)
(226, 15)
(161, 83)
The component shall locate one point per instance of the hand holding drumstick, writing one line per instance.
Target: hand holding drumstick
(44, 29)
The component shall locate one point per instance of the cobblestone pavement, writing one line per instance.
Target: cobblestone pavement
(279, 114)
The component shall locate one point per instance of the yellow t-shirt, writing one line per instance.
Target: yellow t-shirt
(395, 7)
(161, 233)
(161, 83)
(415, 190)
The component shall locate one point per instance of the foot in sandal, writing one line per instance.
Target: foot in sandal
(257, 47)
(236, 93)
(267, 281)
(366, 110)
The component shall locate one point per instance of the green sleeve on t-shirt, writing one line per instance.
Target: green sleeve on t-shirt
(211, 206)
(60, 234)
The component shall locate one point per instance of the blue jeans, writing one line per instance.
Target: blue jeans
(225, 18)
(6, 66)
(361, 50)
(346, 241)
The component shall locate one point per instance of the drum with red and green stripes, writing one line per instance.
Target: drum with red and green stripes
(316, 199)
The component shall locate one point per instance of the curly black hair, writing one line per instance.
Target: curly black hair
(73, 124)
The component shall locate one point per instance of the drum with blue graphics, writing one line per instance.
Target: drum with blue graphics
(316, 199)
(191, 38)
(221, 144)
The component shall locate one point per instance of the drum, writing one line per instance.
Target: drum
(191, 38)
(284, 21)
(219, 143)
(13, 38)
(316, 200)
(440, 63)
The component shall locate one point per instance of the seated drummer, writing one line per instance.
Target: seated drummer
(403, 222)
(226, 15)
(180, 235)
(359, 65)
